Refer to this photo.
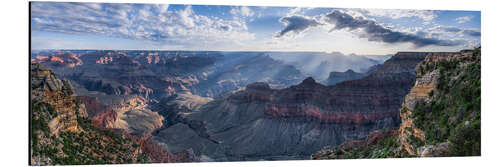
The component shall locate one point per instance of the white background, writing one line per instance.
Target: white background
(14, 61)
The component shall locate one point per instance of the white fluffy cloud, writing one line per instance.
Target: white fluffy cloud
(463, 19)
(139, 22)
(426, 15)
(242, 11)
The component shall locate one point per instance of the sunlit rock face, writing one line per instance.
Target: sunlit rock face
(47, 88)
(259, 122)
(426, 84)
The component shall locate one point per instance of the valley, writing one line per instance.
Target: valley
(235, 106)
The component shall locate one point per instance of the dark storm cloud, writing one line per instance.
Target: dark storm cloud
(296, 24)
(376, 32)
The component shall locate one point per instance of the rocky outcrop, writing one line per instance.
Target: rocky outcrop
(425, 93)
(438, 150)
(420, 92)
(132, 115)
(45, 87)
(352, 146)
(61, 133)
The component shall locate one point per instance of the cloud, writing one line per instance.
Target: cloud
(185, 17)
(472, 33)
(296, 24)
(375, 32)
(426, 15)
(151, 22)
(463, 19)
(456, 30)
(242, 11)
(452, 29)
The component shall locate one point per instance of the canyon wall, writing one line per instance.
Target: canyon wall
(260, 122)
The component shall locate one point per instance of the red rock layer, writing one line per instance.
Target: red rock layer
(59, 59)
(278, 111)
(105, 119)
(159, 154)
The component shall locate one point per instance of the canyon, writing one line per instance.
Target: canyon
(184, 106)
(293, 122)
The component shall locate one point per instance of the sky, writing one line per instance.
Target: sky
(121, 26)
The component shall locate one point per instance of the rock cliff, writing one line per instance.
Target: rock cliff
(429, 113)
(61, 133)
(440, 116)
(46, 88)
(420, 92)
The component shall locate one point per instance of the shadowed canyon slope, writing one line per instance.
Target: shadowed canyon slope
(260, 122)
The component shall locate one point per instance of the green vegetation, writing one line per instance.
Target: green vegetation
(454, 112)
(385, 148)
(90, 146)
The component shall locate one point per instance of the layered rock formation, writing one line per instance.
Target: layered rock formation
(292, 123)
(437, 74)
(59, 95)
(60, 132)
(440, 115)
(130, 113)
(155, 75)
(135, 117)
(420, 92)
(69, 130)
(59, 59)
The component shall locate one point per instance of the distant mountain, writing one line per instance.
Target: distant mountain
(319, 64)
(336, 77)
(238, 70)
